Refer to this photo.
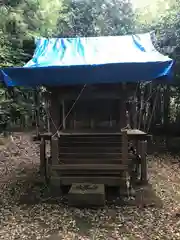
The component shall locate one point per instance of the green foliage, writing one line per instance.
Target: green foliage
(164, 19)
(22, 20)
(97, 17)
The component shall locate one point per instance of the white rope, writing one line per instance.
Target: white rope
(49, 115)
(73, 105)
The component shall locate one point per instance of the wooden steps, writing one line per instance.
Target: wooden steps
(92, 167)
(107, 180)
(91, 149)
(97, 160)
(91, 158)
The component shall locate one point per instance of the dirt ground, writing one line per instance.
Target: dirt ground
(28, 212)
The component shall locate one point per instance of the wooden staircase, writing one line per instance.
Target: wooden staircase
(93, 158)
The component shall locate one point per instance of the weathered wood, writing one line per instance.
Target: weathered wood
(138, 166)
(46, 96)
(99, 153)
(124, 146)
(98, 132)
(144, 177)
(134, 113)
(77, 144)
(92, 154)
(107, 180)
(123, 122)
(94, 167)
(85, 195)
(54, 111)
(89, 149)
(54, 150)
(37, 113)
(42, 156)
(63, 115)
(123, 118)
(46, 136)
(92, 160)
(55, 182)
(124, 187)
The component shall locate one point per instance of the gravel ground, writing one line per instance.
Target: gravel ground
(26, 211)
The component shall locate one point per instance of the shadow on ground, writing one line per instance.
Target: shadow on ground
(36, 192)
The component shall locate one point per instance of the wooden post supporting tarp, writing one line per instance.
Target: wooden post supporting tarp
(54, 111)
(123, 119)
(143, 150)
(37, 110)
(55, 180)
(42, 156)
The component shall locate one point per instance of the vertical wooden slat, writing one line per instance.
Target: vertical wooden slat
(124, 187)
(54, 150)
(42, 156)
(55, 181)
(63, 115)
(123, 120)
(134, 113)
(37, 113)
(54, 110)
(124, 146)
(74, 120)
(47, 106)
(143, 149)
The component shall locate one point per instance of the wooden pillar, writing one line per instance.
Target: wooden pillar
(46, 98)
(63, 115)
(54, 150)
(134, 113)
(37, 112)
(123, 120)
(42, 156)
(123, 124)
(54, 111)
(124, 187)
(55, 178)
(144, 168)
(48, 117)
(141, 107)
(74, 120)
(55, 126)
(124, 146)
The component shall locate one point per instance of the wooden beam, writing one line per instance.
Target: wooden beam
(124, 146)
(54, 181)
(90, 167)
(42, 156)
(123, 120)
(63, 115)
(143, 150)
(109, 181)
(37, 113)
(134, 113)
(54, 150)
(54, 110)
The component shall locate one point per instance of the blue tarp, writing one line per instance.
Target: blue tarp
(91, 60)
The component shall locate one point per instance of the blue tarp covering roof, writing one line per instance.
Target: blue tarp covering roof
(91, 60)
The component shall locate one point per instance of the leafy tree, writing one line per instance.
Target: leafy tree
(97, 18)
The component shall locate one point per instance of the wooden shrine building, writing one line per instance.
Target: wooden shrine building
(93, 135)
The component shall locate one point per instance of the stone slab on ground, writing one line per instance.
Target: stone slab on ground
(86, 194)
